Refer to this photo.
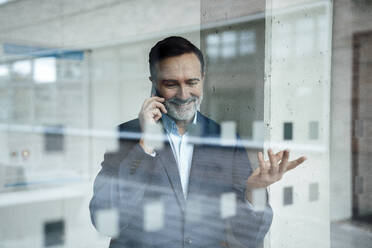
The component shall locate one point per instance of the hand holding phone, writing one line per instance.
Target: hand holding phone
(151, 112)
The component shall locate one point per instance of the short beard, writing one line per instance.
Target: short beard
(173, 106)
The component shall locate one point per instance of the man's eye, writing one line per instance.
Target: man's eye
(193, 82)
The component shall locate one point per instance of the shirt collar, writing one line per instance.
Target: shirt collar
(171, 126)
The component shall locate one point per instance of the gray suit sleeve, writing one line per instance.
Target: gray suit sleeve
(121, 184)
(249, 226)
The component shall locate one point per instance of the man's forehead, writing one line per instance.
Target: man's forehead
(183, 64)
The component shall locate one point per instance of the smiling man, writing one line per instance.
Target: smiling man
(180, 82)
(198, 192)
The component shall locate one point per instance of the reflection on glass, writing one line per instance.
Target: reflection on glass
(247, 42)
(21, 68)
(69, 69)
(213, 41)
(313, 130)
(304, 36)
(45, 70)
(245, 48)
(5, 1)
(229, 44)
(4, 71)
(4, 104)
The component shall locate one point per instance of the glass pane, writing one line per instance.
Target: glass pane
(169, 123)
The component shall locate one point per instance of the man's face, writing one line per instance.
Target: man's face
(180, 82)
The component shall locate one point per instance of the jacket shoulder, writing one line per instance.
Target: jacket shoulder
(130, 126)
(210, 127)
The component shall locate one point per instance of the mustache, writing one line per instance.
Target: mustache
(178, 101)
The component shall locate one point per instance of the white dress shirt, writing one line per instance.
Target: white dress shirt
(182, 150)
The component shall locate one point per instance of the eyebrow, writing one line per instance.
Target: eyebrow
(169, 81)
(176, 81)
(193, 79)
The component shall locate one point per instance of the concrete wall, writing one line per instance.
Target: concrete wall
(341, 187)
(349, 17)
(95, 23)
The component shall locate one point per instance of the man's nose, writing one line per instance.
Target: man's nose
(183, 93)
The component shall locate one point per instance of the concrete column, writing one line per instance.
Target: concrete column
(297, 112)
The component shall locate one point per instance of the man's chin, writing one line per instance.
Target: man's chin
(184, 113)
(182, 116)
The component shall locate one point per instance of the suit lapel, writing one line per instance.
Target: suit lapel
(198, 165)
(169, 163)
(197, 170)
(200, 159)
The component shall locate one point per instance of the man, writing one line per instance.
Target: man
(202, 189)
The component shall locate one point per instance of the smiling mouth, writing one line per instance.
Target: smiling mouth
(183, 104)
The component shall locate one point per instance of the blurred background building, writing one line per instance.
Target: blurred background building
(291, 74)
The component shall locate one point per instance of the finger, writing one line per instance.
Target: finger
(293, 164)
(279, 156)
(162, 107)
(158, 98)
(157, 105)
(261, 162)
(146, 103)
(284, 164)
(150, 100)
(156, 114)
(273, 163)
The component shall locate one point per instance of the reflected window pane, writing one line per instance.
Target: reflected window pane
(21, 68)
(287, 196)
(313, 130)
(45, 70)
(288, 131)
(54, 139)
(69, 69)
(5, 1)
(313, 191)
(247, 42)
(229, 44)
(54, 233)
(4, 71)
(213, 41)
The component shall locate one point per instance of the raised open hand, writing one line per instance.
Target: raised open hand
(272, 170)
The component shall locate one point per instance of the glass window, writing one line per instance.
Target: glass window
(114, 134)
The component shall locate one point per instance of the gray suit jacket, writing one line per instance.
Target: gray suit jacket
(130, 179)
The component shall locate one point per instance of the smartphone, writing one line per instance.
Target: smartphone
(153, 91)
